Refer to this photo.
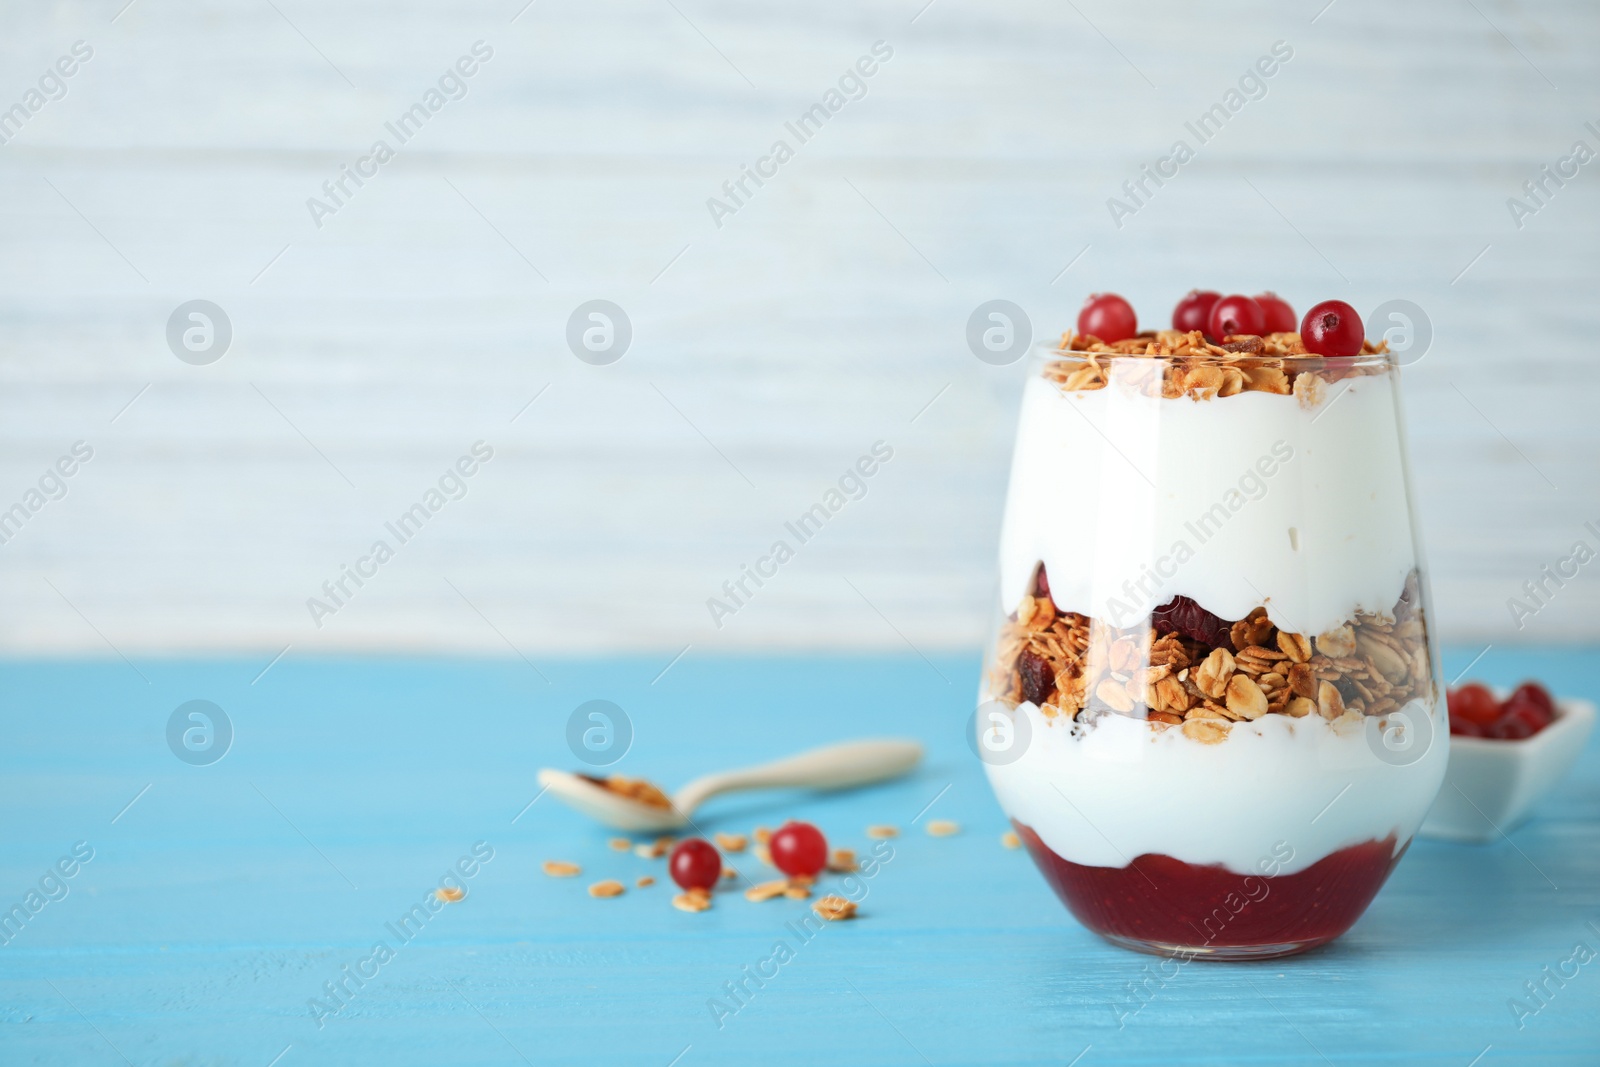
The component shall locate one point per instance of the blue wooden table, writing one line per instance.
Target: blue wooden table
(221, 899)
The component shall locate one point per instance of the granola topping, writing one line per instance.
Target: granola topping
(1187, 365)
(1076, 669)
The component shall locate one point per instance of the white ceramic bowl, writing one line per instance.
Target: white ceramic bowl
(1492, 786)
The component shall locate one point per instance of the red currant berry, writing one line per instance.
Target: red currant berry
(1194, 310)
(1475, 704)
(1235, 315)
(1280, 316)
(798, 849)
(1462, 728)
(1517, 724)
(1527, 707)
(1332, 328)
(695, 864)
(1108, 317)
(1537, 694)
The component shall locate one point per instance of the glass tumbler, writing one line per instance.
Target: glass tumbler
(1211, 705)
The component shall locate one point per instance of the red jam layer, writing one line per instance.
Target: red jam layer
(1166, 902)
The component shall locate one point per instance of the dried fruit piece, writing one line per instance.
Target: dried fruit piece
(834, 908)
(1299, 707)
(608, 888)
(1038, 677)
(1182, 615)
(561, 869)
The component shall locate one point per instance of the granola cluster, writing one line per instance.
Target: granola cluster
(638, 789)
(1191, 366)
(1074, 666)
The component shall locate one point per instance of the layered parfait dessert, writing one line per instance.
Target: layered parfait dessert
(1211, 709)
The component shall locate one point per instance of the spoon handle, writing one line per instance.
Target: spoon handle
(829, 767)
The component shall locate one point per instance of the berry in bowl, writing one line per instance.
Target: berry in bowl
(1211, 705)
(1505, 754)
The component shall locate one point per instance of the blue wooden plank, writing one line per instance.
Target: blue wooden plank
(217, 905)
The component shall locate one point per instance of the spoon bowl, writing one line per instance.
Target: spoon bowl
(589, 796)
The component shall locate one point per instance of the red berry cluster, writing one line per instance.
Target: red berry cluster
(1332, 328)
(1474, 712)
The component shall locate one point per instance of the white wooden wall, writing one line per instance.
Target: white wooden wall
(768, 354)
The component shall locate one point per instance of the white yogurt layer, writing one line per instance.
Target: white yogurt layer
(1104, 794)
(1234, 501)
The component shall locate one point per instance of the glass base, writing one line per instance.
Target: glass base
(1217, 953)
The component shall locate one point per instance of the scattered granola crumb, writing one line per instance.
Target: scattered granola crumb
(654, 850)
(943, 827)
(766, 890)
(449, 894)
(638, 789)
(645, 881)
(763, 854)
(1010, 839)
(621, 844)
(842, 860)
(692, 900)
(608, 888)
(761, 834)
(731, 842)
(882, 831)
(797, 892)
(728, 873)
(834, 907)
(561, 869)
